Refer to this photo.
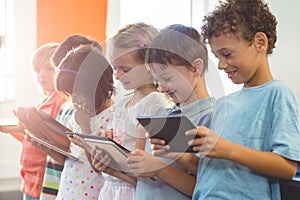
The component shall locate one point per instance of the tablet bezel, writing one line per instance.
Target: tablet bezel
(118, 153)
(163, 127)
(53, 123)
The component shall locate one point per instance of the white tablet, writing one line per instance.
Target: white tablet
(118, 153)
(55, 148)
(53, 124)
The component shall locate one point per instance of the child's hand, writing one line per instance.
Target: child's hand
(35, 124)
(209, 144)
(144, 164)
(21, 115)
(106, 132)
(100, 160)
(83, 119)
(159, 148)
(77, 140)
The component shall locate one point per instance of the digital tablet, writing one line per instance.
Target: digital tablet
(55, 148)
(53, 124)
(118, 153)
(170, 128)
(8, 122)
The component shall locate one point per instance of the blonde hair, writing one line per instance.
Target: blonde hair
(134, 38)
(42, 56)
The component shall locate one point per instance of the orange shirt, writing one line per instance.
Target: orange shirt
(33, 161)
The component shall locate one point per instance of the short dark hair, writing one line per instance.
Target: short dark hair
(87, 71)
(178, 45)
(243, 18)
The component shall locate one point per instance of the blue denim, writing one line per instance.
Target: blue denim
(26, 197)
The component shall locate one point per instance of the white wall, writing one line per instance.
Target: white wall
(284, 61)
(21, 44)
(23, 32)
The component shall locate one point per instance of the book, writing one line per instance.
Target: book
(118, 153)
(171, 129)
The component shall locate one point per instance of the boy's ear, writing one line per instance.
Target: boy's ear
(198, 65)
(260, 41)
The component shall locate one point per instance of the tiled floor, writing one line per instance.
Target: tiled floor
(10, 189)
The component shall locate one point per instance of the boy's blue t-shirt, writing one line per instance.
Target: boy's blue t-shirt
(264, 118)
(198, 112)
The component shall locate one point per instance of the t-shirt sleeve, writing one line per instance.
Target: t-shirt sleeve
(285, 125)
(66, 115)
(153, 104)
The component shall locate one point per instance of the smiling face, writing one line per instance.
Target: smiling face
(177, 81)
(131, 72)
(243, 62)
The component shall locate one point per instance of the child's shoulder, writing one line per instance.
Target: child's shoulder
(155, 98)
(276, 88)
(155, 95)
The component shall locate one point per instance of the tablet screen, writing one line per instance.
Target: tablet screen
(102, 139)
(171, 129)
(53, 124)
(117, 152)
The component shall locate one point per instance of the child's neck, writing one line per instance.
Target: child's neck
(146, 89)
(105, 105)
(140, 93)
(199, 92)
(48, 93)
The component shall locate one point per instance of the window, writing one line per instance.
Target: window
(6, 79)
(155, 12)
(163, 13)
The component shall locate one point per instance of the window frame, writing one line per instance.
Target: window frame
(6, 73)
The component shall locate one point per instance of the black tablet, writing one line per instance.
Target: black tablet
(171, 129)
(118, 153)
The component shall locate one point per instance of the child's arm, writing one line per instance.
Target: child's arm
(141, 139)
(53, 154)
(83, 119)
(101, 161)
(77, 140)
(38, 128)
(146, 165)
(187, 160)
(213, 145)
(16, 131)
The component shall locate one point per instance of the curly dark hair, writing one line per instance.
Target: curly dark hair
(243, 18)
